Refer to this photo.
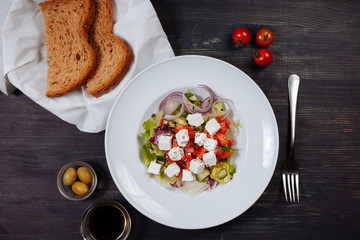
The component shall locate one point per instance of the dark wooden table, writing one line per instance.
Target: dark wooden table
(318, 40)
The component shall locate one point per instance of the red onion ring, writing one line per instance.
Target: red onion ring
(171, 96)
(211, 99)
(188, 104)
(171, 105)
(229, 109)
(175, 96)
(204, 103)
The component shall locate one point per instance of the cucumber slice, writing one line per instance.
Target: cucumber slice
(160, 161)
(193, 98)
(181, 121)
(222, 173)
(190, 96)
(203, 175)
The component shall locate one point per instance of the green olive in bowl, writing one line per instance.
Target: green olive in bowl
(69, 176)
(84, 175)
(79, 188)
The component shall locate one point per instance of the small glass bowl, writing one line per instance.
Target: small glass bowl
(66, 191)
(100, 213)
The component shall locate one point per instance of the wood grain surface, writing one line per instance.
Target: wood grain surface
(319, 40)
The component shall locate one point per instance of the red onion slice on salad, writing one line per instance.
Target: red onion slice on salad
(173, 117)
(211, 100)
(225, 114)
(207, 106)
(188, 105)
(170, 103)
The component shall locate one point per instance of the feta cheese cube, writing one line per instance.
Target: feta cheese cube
(209, 159)
(210, 144)
(172, 170)
(187, 175)
(165, 142)
(195, 119)
(182, 137)
(176, 153)
(154, 167)
(212, 126)
(200, 138)
(197, 166)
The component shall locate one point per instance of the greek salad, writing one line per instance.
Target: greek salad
(190, 141)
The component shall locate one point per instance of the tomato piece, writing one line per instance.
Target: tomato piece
(263, 57)
(187, 159)
(241, 36)
(264, 37)
(188, 164)
(190, 129)
(222, 139)
(189, 148)
(199, 153)
(196, 147)
(228, 122)
(231, 143)
(224, 124)
(168, 158)
(223, 154)
(223, 127)
(174, 142)
(162, 121)
(179, 175)
(179, 127)
(207, 134)
(191, 133)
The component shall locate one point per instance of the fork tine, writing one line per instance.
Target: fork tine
(297, 187)
(293, 187)
(290, 184)
(284, 185)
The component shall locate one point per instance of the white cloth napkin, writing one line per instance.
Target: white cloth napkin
(25, 67)
(5, 86)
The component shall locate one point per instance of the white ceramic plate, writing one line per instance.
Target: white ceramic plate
(255, 161)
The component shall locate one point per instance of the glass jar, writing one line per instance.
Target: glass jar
(106, 220)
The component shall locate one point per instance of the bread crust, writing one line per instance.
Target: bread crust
(113, 59)
(72, 72)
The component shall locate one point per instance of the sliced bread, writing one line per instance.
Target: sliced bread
(70, 57)
(113, 59)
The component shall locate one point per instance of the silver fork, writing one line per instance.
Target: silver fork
(290, 168)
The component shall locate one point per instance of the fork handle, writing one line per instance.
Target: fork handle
(293, 86)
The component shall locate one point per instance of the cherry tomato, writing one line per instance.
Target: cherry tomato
(241, 36)
(264, 37)
(263, 57)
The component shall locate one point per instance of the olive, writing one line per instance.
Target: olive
(80, 188)
(69, 176)
(84, 175)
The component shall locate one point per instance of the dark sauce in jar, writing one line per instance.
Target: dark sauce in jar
(106, 221)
